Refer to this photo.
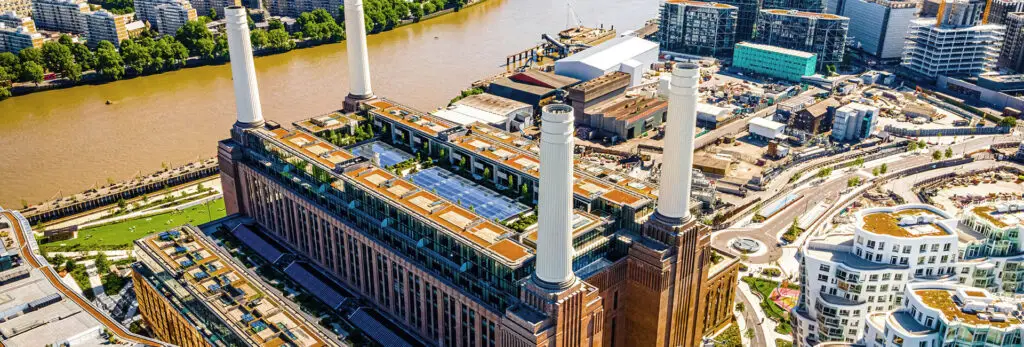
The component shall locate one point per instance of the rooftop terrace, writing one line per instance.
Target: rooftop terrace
(911, 222)
(1001, 215)
(228, 291)
(953, 307)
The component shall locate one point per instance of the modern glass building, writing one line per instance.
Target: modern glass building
(774, 61)
(819, 33)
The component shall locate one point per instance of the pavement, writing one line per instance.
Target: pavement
(30, 258)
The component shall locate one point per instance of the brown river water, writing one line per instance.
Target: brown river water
(64, 141)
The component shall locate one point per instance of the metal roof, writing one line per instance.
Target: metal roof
(611, 53)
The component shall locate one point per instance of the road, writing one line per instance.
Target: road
(767, 231)
(30, 258)
(751, 321)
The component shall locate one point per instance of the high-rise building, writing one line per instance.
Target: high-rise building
(778, 62)
(21, 7)
(961, 13)
(165, 16)
(881, 26)
(932, 50)
(835, 6)
(66, 16)
(13, 20)
(854, 122)
(916, 275)
(1011, 56)
(1000, 9)
(817, 6)
(191, 296)
(15, 39)
(697, 28)
(448, 269)
(203, 7)
(818, 33)
(746, 17)
(106, 26)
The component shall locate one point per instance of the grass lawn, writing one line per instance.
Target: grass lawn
(772, 310)
(120, 235)
(730, 337)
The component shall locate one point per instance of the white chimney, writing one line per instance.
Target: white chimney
(358, 59)
(680, 128)
(554, 236)
(243, 71)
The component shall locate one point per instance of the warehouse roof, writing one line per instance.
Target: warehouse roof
(766, 123)
(492, 103)
(612, 52)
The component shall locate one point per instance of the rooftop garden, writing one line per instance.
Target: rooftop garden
(885, 223)
(942, 300)
(985, 212)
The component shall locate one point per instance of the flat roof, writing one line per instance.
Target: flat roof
(217, 281)
(836, 248)
(410, 117)
(465, 115)
(629, 108)
(330, 121)
(611, 53)
(911, 222)
(775, 49)
(767, 123)
(492, 104)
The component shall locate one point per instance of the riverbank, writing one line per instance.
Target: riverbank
(94, 77)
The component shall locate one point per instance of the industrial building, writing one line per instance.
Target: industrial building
(165, 16)
(67, 16)
(584, 95)
(932, 50)
(443, 271)
(627, 54)
(815, 119)
(1011, 55)
(505, 114)
(854, 122)
(20, 7)
(999, 10)
(530, 86)
(881, 26)
(106, 26)
(697, 28)
(626, 116)
(708, 116)
(746, 17)
(190, 296)
(818, 33)
(765, 129)
(777, 62)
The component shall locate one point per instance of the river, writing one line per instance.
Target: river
(64, 141)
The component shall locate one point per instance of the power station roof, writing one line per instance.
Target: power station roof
(612, 52)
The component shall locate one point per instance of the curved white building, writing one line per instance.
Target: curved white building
(945, 314)
(847, 276)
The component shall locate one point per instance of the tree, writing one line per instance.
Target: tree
(9, 60)
(824, 172)
(108, 61)
(1008, 121)
(193, 35)
(949, 152)
(912, 146)
(259, 38)
(69, 265)
(487, 173)
(417, 10)
(65, 40)
(102, 264)
(874, 172)
(31, 54)
(749, 334)
(524, 191)
(859, 162)
(83, 56)
(429, 7)
(275, 23)
(58, 58)
(136, 56)
(853, 182)
(213, 14)
(31, 72)
(936, 155)
(884, 168)
(122, 204)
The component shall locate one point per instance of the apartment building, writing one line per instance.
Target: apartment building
(14, 39)
(13, 20)
(821, 34)
(21, 7)
(1011, 55)
(293, 8)
(106, 26)
(165, 16)
(777, 62)
(697, 28)
(66, 16)
(999, 10)
(881, 26)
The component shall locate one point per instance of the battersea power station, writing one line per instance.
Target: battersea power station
(431, 222)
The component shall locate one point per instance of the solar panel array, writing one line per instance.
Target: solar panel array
(484, 202)
(388, 155)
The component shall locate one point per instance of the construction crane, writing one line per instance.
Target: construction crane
(572, 19)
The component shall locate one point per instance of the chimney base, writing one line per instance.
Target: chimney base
(242, 125)
(352, 102)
